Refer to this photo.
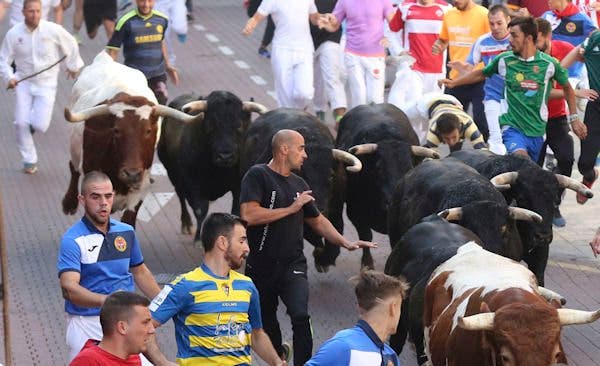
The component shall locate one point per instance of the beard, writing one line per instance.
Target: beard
(234, 263)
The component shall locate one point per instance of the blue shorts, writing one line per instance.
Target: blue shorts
(515, 140)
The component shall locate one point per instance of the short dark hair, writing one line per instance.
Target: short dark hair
(26, 2)
(93, 176)
(447, 122)
(499, 8)
(218, 224)
(119, 307)
(544, 26)
(374, 285)
(527, 25)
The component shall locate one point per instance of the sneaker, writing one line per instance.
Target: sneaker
(31, 129)
(77, 37)
(558, 220)
(581, 199)
(29, 168)
(550, 163)
(264, 52)
(321, 116)
(287, 352)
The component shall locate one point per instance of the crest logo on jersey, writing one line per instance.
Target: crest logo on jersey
(519, 77)
(530, 86)
(571, 27)
(536, 69)
(148, 25)
(120, 243)
(159, 28)
(439, 13)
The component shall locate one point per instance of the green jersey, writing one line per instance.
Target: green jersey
(527, 88)
(591, 48)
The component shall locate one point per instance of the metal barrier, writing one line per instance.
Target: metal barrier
(5, 293)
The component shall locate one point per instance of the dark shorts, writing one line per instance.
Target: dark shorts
(96, 11)
(158, 85)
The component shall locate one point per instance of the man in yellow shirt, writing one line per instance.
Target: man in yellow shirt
(462, 25)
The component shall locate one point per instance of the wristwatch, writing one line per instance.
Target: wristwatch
(572, 118)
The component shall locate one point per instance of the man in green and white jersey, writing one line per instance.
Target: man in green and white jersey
(528, 75)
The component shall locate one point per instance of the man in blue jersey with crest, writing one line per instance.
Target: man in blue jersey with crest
(98, 256)
(216, 310)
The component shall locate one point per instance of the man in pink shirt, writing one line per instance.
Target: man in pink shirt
(365, 52)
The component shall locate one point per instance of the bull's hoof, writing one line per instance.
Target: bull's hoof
(187, 229)
(69, 206)
(321, 268)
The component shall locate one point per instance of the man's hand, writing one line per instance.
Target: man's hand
(438, 47)
(523, 12)
(579, 129)
(302, 199)
(448, 83)
(595, 243)
(360, 244)
(72, 74)
(589, 94)
(384, 42)
(173, 75)
(12, 83)
(249, 28)
(460, 66)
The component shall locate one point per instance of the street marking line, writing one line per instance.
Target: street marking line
(212, 38)
(226, 50)
(241, 64)
(258, 80)
(199, 27)
(272, 94)
(153, 202)
(158, 169)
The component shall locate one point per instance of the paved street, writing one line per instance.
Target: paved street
(216, 56)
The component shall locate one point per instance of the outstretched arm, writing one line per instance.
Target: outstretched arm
(252, 23)
(472, 77)
(322, 226)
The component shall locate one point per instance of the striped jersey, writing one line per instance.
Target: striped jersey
(141, 37)
(103, 260)
(484, 50)
(468, 129)
(587, 7)
(214, 316)
(527, 87)
(421, 26)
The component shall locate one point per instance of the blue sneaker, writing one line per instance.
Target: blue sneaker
(30, 168)
(558, 220)
(264, 52)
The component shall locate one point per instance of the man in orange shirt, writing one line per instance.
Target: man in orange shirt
(462, 25)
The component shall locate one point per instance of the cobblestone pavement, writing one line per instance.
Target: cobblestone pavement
(216, 56)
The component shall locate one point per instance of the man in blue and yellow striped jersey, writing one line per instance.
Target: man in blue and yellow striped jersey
(216, 309)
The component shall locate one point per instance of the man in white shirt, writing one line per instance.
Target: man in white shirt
(35, 45)
(16, 10)
(292, 50)
(176, 11)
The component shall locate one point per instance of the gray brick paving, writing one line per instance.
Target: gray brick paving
(35, 223)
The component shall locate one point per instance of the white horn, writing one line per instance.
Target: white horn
(425, 152)
(502, 179)
(570, 183)
(195, 106)
(483, 321)
(341, 155)
(519, 213)
(164, 111)
(551, 295)
(362, 149)
(451, 214)
(85, 114)
(254, 107)
(570, 316)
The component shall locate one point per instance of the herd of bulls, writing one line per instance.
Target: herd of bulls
(457, 225)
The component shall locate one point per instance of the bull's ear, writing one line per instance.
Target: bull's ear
(484, 308)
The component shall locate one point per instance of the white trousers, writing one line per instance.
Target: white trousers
(366, 78)
(176, 11)
(492, 115)
(293, 77)
(33, 108)
(80, 329)
(329, 87)
(430, 82)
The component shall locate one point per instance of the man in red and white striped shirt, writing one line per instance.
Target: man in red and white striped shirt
(421, 22)
(591, 8)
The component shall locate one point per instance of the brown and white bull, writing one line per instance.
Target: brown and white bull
(122, 125)
(484, 309)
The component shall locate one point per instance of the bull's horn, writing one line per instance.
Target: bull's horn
(85, 114)
(341, 155)
(570, 316)
(483, 321)
(570, 183)
(519, 213)
(195, 106)
(362, 149)
(551, 295)
(254, 107)
(504, 178)
(164, 111)
(424, 151)
(451, 214)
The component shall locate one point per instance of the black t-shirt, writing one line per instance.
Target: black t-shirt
(320, 36)
(282, 240)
